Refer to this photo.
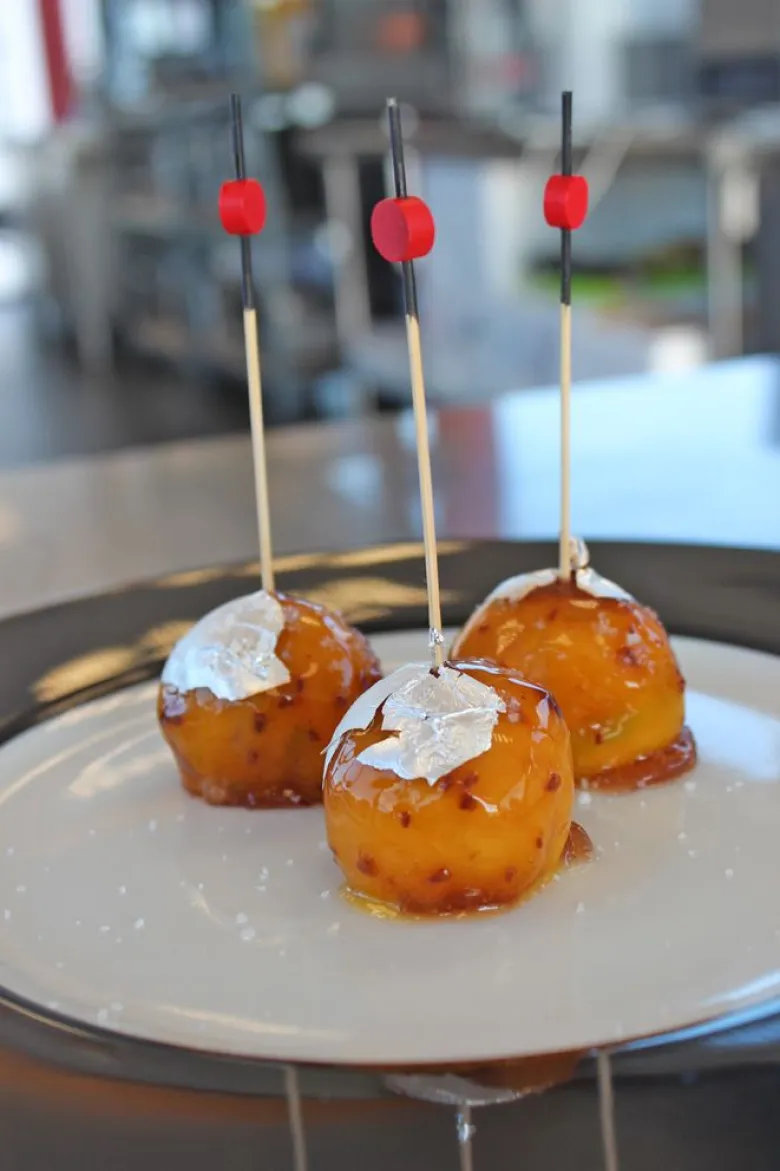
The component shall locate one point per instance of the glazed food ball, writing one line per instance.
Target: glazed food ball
(470, 831)
(251, 695)
(608, 662)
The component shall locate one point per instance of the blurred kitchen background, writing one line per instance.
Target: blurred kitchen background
(120, 313)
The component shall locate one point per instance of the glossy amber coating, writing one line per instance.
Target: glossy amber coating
(609, 664)
(482, 836)
(267, 750)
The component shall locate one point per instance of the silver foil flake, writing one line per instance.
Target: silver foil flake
(231, 651)
(590, 582)
(441, 720)
(363, 711)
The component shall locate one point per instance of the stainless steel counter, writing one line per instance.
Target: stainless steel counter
(692, 457)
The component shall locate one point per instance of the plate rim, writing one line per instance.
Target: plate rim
(747, 577)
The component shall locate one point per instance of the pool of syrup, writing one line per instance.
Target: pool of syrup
(654, 769)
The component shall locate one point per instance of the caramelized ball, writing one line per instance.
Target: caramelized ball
(610, 666)
(482, 836)
(267, 750)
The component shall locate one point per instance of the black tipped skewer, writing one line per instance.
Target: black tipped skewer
(242, 212)
(239, 166)
(566, 169)
(403, 230)
(400, 189)
(565, 207)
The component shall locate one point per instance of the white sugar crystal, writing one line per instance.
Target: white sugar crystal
(325, 894)
(584, 799)
(691, 853)
(53, 1005)
(201, 886)
(105, 928)
(10, 851)
(682, 836)
(580, 908)
(180, 817)
(290, 862)
(729, 873)
(322, 846)
(224, 857)
(152, 826)
(115, 1006)
(689, 786)
(60, 964)
(282, 952)
(122, 890)
(263, 874)
(242, 918)
(248, 934)
(334, 929)
(102, 1016)
(6, 914)
(21, 889)
(248, 829)
(261, 889)
(139, 924)
(643, 804)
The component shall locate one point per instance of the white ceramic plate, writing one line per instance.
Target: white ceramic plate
(126, 904)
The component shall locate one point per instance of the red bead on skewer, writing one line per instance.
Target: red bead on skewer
(566, 201)
(242, 207)
(402, 229)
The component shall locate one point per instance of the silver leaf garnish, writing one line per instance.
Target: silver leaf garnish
(438, 719)
(232, 650)
(586, 579)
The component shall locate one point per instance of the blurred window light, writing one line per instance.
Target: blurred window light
(680, 347)
(83, 31)
(25, 109)
(311, 105)
(162, 26)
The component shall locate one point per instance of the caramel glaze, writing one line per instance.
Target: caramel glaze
(483, 836)
(609, 664)
(266, 751)
(578, 850)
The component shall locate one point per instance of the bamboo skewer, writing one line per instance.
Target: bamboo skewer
(418, 402)
(564, 548)
(253, 368)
